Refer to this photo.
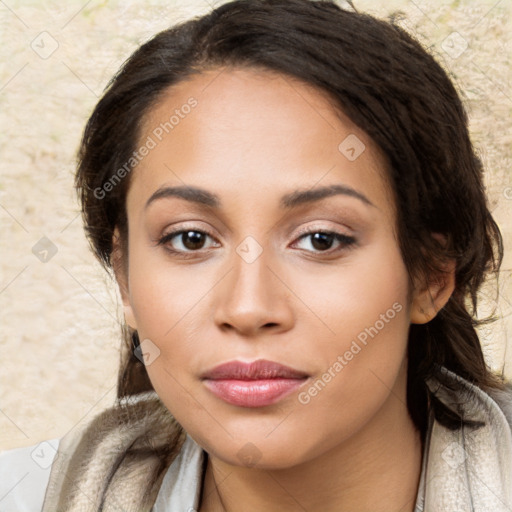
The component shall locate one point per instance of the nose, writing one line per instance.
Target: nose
(253, 298)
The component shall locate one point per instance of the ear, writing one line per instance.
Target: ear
(120, 267)
(433, 293)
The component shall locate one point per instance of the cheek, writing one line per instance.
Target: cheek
(373, 328)
(165, 305)
(163, 295)
(360, 300)
(362, 353)
(168, 303)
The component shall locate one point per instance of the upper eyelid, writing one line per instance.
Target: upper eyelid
(315, 228)
(308, 229)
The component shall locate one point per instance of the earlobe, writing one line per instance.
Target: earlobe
(429, 300)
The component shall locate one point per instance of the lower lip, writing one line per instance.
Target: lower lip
(252, 393)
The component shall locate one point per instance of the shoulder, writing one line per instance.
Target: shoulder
(469, 467)
(503, 397)
(24, 474)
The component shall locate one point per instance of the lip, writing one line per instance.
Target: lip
(255, 384)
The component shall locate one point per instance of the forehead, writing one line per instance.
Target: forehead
(254, 129)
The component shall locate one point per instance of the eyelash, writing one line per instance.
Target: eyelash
(346, 241)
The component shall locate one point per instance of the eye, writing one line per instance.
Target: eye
(185, 240)
(322, 241)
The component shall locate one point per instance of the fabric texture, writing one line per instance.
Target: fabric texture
(183, 482)
(24, 474)
(108, 464)
(111, 463)
(470, 468)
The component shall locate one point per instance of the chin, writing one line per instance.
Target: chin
(260, 452)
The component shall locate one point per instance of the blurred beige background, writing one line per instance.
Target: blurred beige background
(60, 315)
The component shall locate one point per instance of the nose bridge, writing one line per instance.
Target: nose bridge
(252, 296)
(251, 272)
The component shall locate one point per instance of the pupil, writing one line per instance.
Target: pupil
(322, 241)
(195, 237)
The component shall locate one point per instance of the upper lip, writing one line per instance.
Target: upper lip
(260, 369)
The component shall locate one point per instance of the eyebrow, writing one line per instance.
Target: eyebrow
(288, 201)
(315, 194)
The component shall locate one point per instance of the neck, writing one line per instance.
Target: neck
(377, 470)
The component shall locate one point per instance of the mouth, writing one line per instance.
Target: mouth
(255, 384)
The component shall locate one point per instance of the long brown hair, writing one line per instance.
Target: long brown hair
(392, 88)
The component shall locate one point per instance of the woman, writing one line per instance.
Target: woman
(289, 199)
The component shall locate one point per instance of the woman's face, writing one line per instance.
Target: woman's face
(259, 275)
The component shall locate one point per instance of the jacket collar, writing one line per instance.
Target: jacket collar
(106, 463)
(469, 468)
